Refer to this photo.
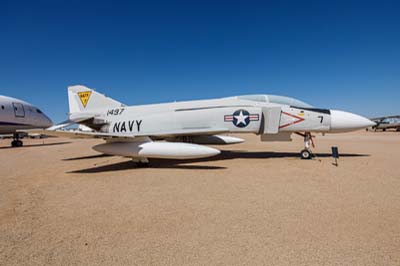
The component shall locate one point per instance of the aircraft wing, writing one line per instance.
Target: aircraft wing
(55, 131)
(81, 134)
(73, 119)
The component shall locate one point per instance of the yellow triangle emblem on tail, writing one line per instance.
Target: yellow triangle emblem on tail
(84, 96)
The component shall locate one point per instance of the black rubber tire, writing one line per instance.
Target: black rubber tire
(20, 143)
(14, 143)
(305, 154)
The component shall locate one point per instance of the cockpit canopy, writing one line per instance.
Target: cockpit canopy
(275, 99)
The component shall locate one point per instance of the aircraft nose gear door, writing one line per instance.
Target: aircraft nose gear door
(19, 110)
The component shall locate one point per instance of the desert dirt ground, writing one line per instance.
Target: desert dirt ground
(61, 203)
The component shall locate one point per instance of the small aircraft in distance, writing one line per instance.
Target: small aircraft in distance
(387, 122)
(179, 130)
(17, 116)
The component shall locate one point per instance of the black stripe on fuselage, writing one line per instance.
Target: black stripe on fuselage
(317, 110)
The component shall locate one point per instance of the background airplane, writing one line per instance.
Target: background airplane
(17, 116)
(387, 122)
(135, 131)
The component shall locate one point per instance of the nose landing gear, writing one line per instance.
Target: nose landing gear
(306, 153)
(16, 142)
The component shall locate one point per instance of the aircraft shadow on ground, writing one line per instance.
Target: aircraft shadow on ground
(127, 165)
(37, 145)
(230, 155)
(183, 164)
(87, 157)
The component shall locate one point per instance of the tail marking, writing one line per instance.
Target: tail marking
(84, 96)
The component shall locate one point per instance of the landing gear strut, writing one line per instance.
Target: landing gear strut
(306, 153)
(16, 142)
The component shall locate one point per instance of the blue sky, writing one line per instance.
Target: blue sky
(333, 54)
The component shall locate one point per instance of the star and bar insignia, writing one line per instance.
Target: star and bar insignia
(241, 118)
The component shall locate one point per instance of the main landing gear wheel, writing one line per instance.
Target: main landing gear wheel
(306, 154)
(141, 162)
(142, 165)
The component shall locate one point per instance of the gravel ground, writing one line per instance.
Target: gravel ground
(255, 204)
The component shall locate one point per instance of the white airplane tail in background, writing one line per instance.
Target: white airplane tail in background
(82, 99)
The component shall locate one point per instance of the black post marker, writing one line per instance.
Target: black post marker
(335, 154)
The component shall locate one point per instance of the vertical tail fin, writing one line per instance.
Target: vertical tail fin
(82, 99)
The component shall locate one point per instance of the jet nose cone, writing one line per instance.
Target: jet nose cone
(344, 121)
(46, 122)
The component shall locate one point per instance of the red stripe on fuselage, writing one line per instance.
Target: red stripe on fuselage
(299, 120)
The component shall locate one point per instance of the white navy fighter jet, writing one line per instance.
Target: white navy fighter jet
(179, 130)
(17, 116)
